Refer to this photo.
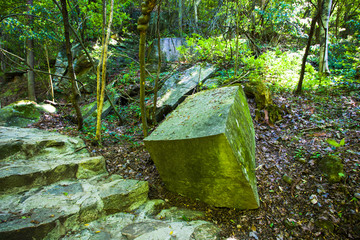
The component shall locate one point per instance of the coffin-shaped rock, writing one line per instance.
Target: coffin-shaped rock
(205, 149)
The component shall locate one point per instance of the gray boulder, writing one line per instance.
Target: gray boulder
(82, 67)
(169, 52)
(89, 111)
(205, 149)
(177, 87)
(22, 113)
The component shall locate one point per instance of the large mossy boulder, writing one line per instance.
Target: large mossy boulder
(23, 113)
(205, 149)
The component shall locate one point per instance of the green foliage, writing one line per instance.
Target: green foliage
(280, 18)
(43, 28)
(299, 153)
(91, 12)
(215, 49)
(334, 143)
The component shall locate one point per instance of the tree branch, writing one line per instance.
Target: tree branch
(25, 14)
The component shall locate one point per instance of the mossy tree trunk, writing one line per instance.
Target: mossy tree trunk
(75, 95)
(143, 24)
(159, 63)
(101, 87)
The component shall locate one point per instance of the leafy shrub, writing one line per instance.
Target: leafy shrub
(215, 49)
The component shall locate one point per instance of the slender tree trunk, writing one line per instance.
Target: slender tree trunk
(2, 63)
(94, 68)
(311, 33)
(237, 39)
(49, 70)
(338, 12)
(74, 91)
(196, 4)
(98, 72)
(180, 18)
(324, 37)
(30, 58)
(159, 63)
(143, 24)
(103, 75)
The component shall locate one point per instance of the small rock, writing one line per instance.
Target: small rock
(287, 179)
(302, 160)
(325, 224)
(290, 223)
(332, 167)
(180, 214)
(320, 189)
(254, 235)
(313, 199)
(357, 195)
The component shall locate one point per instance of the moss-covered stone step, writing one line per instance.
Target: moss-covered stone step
(49, 212)
(30, 143)
(23, 174)
(125, 226)
(32, 157)
(205, 149)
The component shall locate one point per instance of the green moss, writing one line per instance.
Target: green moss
(206, 149)
(332, 167)
(22, 113)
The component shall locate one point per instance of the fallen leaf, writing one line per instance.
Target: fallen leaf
(253, 228)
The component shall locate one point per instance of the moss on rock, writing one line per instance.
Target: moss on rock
(205, 149)
(332, 167)
(23, 113)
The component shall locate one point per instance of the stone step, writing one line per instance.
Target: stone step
(22, 175)
(51, 211)
(32, 157)
(148, 223)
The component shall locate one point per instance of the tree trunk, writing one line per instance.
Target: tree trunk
(49, 70)
(237, 15)
(324, 36)
(196, 4)
(159, 63)
(30, 58)
(312, 29)
(74, 91)
(338, 12)
(143, 24)
(103, 75)
(180, 17)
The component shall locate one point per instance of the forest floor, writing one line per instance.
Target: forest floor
(297, 201)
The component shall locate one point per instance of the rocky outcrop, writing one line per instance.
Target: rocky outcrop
(178, 86)
(89, 111)
(22, 113)
(82, 67)
(169, 52)
(51, 188)
(205, 149)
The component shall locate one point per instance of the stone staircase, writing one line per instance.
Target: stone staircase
(51, 188)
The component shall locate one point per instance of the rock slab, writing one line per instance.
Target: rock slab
(23, 113)
(168, 46)
(175, 89)
(205, 149)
